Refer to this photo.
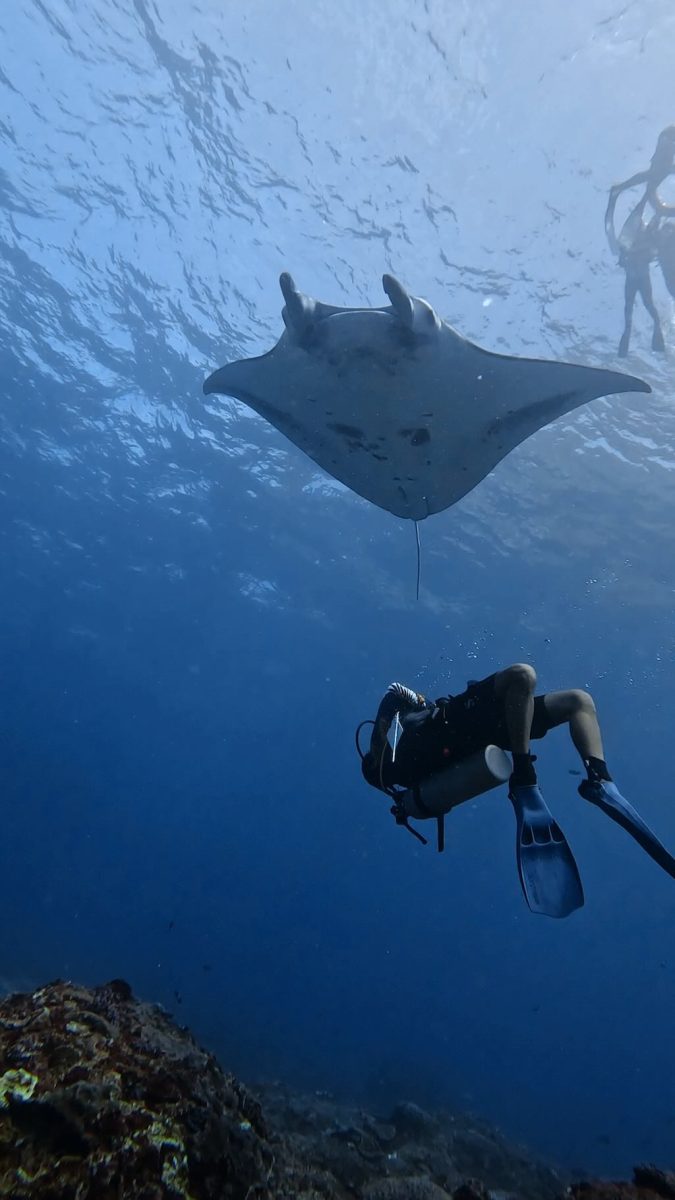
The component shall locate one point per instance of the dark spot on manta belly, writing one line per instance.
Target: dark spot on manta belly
(348, 431)
(353, 437)
(417, 436)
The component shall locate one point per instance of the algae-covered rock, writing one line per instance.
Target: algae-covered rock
(103, 1097)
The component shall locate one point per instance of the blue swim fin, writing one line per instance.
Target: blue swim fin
(608, 798)
(548, 873)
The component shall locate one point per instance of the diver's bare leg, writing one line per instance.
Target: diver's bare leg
(576, 708)
(515, 687)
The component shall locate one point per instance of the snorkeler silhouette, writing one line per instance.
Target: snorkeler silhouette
(643, 241)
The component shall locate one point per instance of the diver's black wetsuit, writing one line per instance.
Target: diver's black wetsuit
(437, 733)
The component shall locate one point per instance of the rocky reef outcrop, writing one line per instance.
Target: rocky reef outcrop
(649, 1183)
(103, 1097)
(409, 1154)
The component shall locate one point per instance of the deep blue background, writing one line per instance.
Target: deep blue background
(194, 619)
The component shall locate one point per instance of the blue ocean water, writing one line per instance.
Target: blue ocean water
(194, 618)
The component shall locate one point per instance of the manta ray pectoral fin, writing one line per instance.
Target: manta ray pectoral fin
(241, 379)
(627, 383)
(219, 382)
(417, 315)
(548, 390)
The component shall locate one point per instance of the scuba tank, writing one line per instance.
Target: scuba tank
(439, 793)
(458, 783)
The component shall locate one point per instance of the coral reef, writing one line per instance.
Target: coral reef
(103, 1097)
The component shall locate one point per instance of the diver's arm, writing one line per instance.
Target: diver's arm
(397, 699)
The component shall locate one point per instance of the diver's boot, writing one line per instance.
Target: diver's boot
(523, 774)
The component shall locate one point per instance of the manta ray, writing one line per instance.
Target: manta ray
(396, 404)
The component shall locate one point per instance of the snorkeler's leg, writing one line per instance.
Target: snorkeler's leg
(630, 293)
(645, 289)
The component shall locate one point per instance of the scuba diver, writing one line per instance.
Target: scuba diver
(430, 756)
(642, 241)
